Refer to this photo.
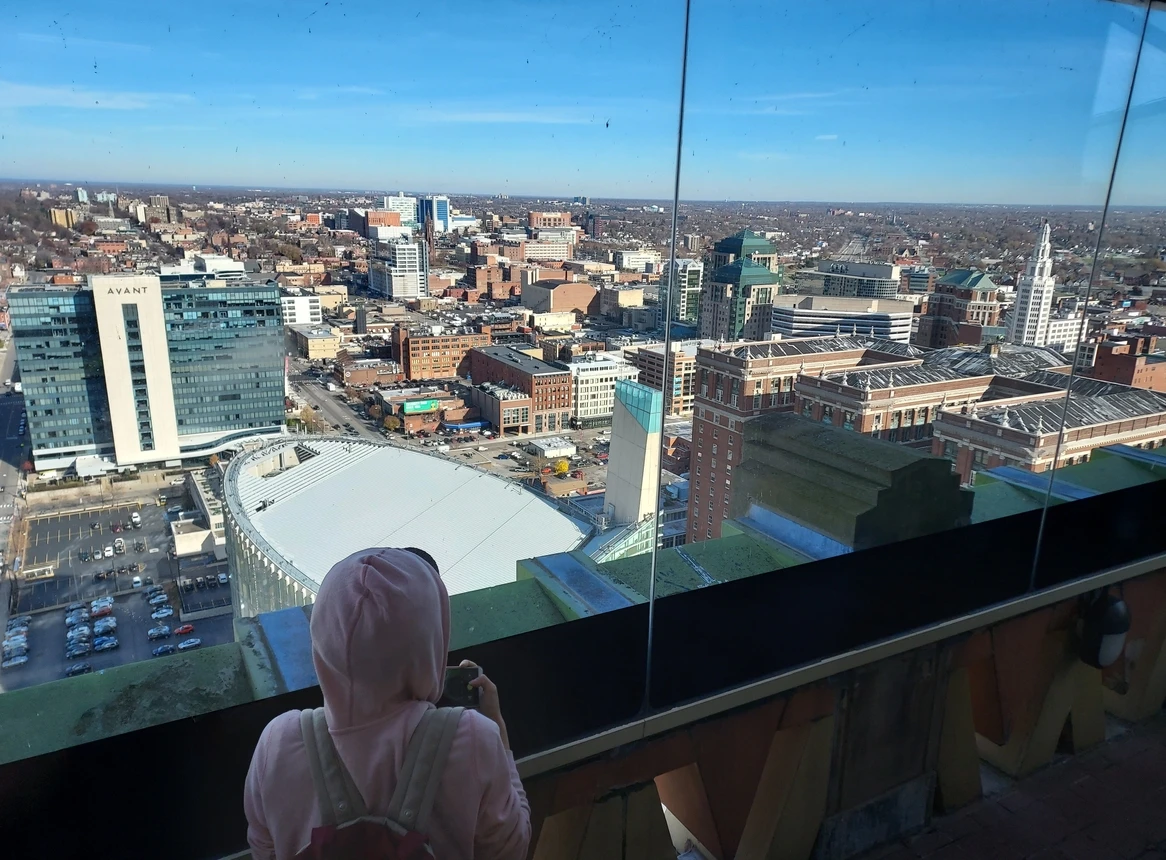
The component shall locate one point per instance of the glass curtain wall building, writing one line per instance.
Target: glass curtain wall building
(135, 372)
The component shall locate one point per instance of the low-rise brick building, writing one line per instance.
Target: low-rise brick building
(547, 385)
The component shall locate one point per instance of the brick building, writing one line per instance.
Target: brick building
(548, 386)
(552, 296)
(424, 355)
(1129, 361)
(961, 304)
(1024, 432)
(537, 220)
(679, 369)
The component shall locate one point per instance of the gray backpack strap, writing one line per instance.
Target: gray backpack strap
(420, 776)
(337, 794)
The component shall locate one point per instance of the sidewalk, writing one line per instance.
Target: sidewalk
(1105, 804)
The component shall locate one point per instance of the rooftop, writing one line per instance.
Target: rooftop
(818, 345)
(744, 272)
(1005, 359)
(358, 494)
(1045, 416)
(878, 378)
(521, 360)
(968, 278)
(743, 243)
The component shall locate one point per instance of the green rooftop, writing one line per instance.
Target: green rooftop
(745, 272)
(74, 711)
(969, 279)
(744, 243)
(503, 610)
(679, 568)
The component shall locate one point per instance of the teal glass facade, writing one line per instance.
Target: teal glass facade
(226, 357)
(58, 353)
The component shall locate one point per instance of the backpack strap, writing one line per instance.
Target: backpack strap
(420, 776)
(337, 794)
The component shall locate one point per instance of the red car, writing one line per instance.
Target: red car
(100, 611)
(183, 629)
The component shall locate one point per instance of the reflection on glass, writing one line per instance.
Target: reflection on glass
(866, 372)
(288, 316)
(1112, 416)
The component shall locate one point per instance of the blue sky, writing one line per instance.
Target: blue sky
(985, 101)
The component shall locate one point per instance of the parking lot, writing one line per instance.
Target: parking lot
(54, 573)
(211, 594)
(46, 641)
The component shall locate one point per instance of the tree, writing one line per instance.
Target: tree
(392, 423)
(213, 460)
(291, 252)
(375, 412)
(87, 228)
(562, 467)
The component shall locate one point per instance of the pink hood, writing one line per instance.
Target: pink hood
(380, 636)
(380, 639)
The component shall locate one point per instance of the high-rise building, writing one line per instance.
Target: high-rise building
(745, 245)
(634, 454)
(737, 302)
(146, 372)
(1034, 295)
(818, 316)
(537, 220)
(159, 201)
(405, 206)
(400, 270)
(434, 209)
(593, 380)
(673, 372)
(300, 308)
(82, 195)
(861, 280)
(637, 261)
(683, 290)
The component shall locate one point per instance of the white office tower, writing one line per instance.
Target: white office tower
(405, 206)
(1034, 296)
(400, 270)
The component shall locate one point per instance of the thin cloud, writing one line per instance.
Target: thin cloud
(14, 95)
(82, 42)
(785, 97)
(763, 156)
(826, 137)
(501, 117)
(323, 92)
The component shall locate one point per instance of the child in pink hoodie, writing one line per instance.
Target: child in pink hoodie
(380, 640)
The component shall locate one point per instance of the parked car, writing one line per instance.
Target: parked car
(152, 590)
(105, 626)
(78, 650)
(189, 644)
(199, 582)
(159, 632)
(161, 612)
(158, 600)
(139, 546)
(73, 607)
(105, 643)
(136, 518)
(117, 527)
(178, 482)
(83, 555)
(223, 579)
(107, 552)
(81, 631)
(75, 618)
(18, 630)
(78, 669)
(107, 600)
(211, 582)
(13, 652)
(136, 582)
(163, 650)
(14, 662)
(20, 621)
(183, 629)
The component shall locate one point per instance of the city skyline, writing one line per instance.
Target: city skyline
(872, 109)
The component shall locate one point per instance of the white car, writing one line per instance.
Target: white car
(178, 482)
(137, 582)
(107, 552)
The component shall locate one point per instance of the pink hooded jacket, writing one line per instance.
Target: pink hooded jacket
(380, 639)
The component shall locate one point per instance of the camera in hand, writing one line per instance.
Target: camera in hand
(457, 691)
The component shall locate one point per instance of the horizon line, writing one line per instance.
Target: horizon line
(194, 186)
